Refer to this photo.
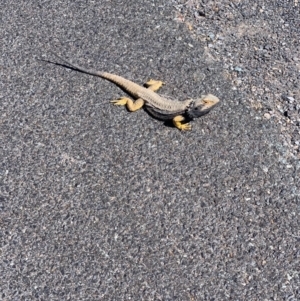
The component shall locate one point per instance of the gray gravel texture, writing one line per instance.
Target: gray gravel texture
(100, 204)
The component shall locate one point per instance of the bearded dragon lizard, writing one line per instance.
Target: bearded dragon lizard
(180, 112)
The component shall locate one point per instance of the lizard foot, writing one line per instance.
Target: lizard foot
(177, 121)
(130, 105)
(184, 127)
(154, 85)
(120, 102)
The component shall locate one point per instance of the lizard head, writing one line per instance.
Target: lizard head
(202, 106)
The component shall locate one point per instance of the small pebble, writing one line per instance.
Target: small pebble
(238, 69)
(211, 36)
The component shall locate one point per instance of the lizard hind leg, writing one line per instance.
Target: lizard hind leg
(177, 121)
(130, 105)
(154, 85)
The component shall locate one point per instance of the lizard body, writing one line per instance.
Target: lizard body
(158, 106)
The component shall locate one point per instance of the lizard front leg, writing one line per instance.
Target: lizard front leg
(177, 121)
(152, 85)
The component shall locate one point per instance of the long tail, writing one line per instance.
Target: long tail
(127, 85)
(79, 68)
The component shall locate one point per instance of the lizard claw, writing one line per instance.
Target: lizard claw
(177, 121)
(120, 102)
(154, 85)
(151, 82)
(185, 127)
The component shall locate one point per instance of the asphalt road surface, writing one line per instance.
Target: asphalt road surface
(97, 203)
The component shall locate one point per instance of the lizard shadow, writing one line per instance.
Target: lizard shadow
(169, 123)
(166, 122)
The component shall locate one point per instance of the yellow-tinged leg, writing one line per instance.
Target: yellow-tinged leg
(154, 85)
(130, 105)
(177, 121)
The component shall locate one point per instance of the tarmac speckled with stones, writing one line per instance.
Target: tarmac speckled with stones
(99, 203)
